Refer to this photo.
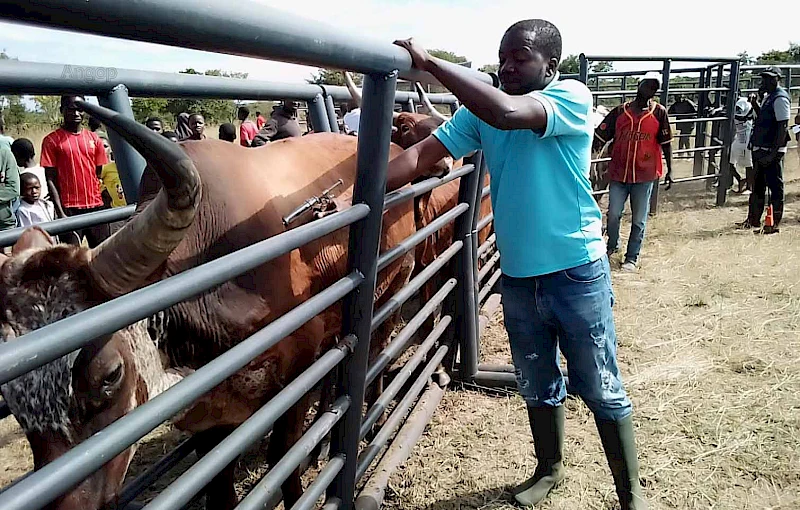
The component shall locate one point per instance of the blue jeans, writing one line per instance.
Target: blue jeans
(618, 193)
(569, 310)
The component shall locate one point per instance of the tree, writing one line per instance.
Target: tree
(789, 56)
(332, 77)
(602, 66)
(49, 108)
(144, 107)
(570, 65)
(489, 68)
(448, 56)
(746, 59)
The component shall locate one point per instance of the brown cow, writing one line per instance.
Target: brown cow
(210, 205)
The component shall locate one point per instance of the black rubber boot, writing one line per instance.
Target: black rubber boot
(620, 447)
(547, 426)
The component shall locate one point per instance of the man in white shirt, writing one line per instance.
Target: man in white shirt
(351, 120)
(740, 153)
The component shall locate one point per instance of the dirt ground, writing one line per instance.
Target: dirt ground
(710, 353)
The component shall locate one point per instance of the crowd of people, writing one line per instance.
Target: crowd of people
(639, 132)
(76, 173)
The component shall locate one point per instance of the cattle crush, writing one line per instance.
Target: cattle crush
(349, 477)
(412, 393)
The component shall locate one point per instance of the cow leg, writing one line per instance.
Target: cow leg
(327, 394)
(220, 491)
(285, 433)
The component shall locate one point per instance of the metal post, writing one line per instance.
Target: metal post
(727, 135)
(319, 117)
(465, 295)
(130, 164)
(624, 87)
(409, 106)
(583, 74)
(715, 129)
(333, 122)
(370, 186)
(665, 72)
(700, 127)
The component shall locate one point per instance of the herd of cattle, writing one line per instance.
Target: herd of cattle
(199, 202)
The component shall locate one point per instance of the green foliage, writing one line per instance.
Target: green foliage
(448, 56)
(570, 65)
(788, 56)
(489, 68)
(332, 77)
(144, 107)
(602, 66)
(48, 109)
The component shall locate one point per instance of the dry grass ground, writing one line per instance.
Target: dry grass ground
(709, 346)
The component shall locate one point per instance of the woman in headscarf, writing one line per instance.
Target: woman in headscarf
(182, 129)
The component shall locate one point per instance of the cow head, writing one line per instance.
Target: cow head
(67, 400)
(408, 128)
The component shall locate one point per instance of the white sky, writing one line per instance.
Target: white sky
(467, 27)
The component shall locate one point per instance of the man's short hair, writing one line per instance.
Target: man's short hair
(243, 110)
(547, 38)
(152, 119)
(196, 114)
(23, 151)
(227, 131)
(66, 99)
(258, 113)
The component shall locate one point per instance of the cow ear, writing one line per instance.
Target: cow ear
(33, 237)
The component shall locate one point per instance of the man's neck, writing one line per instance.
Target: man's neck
(642, 104)
(71, 129)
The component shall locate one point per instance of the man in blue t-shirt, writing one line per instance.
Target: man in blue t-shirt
(536, 135)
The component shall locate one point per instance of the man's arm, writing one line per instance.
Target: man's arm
(414, 162)
(664, 138)
(783, 109)
(51, 175)
(9, 189)
(489, 104)
(605, 132)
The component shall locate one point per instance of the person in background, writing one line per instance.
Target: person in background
(155, 124)
(25, 154)
(282, 124)
(536, 135)
(182, 129)
(5, 140)
(111, 191)
(768, 143)
(683, 108)
(197, 125)
(352, 118)
(227, 132)
(170, 135)
(641, 132)
(73, 160)
(94, 125)
(9, 188)
(260, 120)
(740, 153)
(247, 128)
(32, 208)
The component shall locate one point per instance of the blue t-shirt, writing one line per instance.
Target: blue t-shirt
(545, 217)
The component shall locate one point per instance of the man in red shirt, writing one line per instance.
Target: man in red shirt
(260, 120)
(248, 129)
(641, 131)
(73, 160)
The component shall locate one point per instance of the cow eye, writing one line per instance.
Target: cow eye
(113, 377)
(405, 128)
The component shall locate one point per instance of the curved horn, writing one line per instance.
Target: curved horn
(124, 261)
(423, 98)
(355, 93)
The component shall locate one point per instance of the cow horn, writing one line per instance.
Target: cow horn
(356, 94)
(123, 262)
(423, 98)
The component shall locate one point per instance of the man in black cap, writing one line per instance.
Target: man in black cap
(768, 144)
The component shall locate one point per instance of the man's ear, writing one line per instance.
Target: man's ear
(552, 67)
